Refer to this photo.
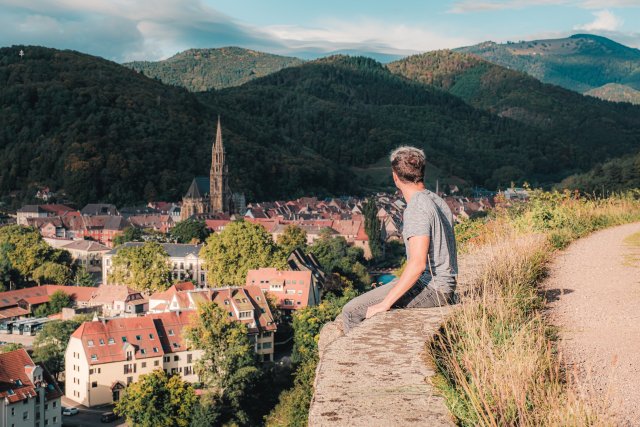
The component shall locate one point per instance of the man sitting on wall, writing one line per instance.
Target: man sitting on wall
(429, 277)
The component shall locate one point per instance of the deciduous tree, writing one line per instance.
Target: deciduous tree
(52, 273)
(241, 246)
(143, 267)
(190, 231)
(157, 400)
(51, 343)
(228, 364)
(292, 238)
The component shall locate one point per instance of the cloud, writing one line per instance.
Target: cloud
(604, 20)
(469, 6)
(124, 30)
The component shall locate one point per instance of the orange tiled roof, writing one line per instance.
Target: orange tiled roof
(15, 384)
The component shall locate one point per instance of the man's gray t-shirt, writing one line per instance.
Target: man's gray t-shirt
(427, 214)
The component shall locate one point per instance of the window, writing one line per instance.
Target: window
(150, 336)
(291, 291)
(176, 345)
(171, 332)
(299, 303)
(176, 358)
(124, 339)
(189, 358)
(288, 302)
(156, 363)
(266, 345)
(167, 359)
(266, 334)
(99, 370)
(13, 411)
(94, 357)
(143, 351)
(244, 314)
(18, 383)
(101, 341)
(111, 341)
(155, 349)
(25, 415)
(90, 343)
(138, 337)
(94, 384)
(226, 302)
(144, 365)
(90, 371)
(55, 420)
(230, 314)
(129, 380)
(188, 370)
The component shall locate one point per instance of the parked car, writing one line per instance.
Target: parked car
(108, 417)
(69, 411)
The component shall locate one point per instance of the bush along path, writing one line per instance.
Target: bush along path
(594, 290)
(496, 356)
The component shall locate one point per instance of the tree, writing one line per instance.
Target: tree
(51, 343)
(336, 256)
(241, 246)
(157, 400)
(292, 238)
(206, 412)
(142, 267)
(24, 251)
(59, 300)
(52, 273)
(129, 234)
(11, 346)
(8, 275)
(228, 363)
(83, 277)
(190, 231)
(373, 228)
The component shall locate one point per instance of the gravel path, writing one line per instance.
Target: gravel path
(594, 293)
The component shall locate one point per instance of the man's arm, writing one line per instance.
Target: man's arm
(416, 264)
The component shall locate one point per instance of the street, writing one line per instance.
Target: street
(88, 417)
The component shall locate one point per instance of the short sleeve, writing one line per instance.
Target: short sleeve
(417, 221)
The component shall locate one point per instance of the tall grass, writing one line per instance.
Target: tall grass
(495, 355)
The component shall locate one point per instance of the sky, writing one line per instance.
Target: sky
(126, 30)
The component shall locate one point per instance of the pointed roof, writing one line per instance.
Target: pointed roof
(218, 147)
(199, 188)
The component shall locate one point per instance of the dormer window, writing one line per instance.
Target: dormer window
(90, 343)
(111, 341)
(143, 351)
(155, 349)
(11, 392)
(176, 345)
(101, 341)
(94, 357)
(226, 302)
(150, 336)
(18, 383)
(124, 339)
(138, 337)
(171, 332)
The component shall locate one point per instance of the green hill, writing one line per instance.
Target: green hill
(594, 129)
(99, 131)
(580, 62)
(204, 69)
(612, 176)
(616, 93)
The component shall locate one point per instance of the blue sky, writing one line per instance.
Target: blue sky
(124, 30)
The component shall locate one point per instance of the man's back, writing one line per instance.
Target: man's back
(427, 214)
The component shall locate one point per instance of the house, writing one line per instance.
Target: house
(101, 228)
(20, 302)
(95, 209)
(104, 356)
(87, 253)
(118, 300)
(184, 260)
(293, 290)
(244, 304)
(29, 395)
(156, 222)
(40, 211)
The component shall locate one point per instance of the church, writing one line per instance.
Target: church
(211, 197)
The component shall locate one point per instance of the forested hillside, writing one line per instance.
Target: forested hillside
(588, 130)
(204, 69)
(580, 62)
(613, 176)
(98, 131)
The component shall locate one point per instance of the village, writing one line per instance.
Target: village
(128, 331)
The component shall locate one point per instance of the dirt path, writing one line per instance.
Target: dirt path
(594, 288)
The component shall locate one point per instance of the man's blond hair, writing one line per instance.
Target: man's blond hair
(408, 164)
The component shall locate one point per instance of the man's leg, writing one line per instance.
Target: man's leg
(355, 310)
(428, 298)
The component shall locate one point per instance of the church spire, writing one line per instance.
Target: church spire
(219, 186)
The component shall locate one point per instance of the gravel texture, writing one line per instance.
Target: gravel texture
(593, 290)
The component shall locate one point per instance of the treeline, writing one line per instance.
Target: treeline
(613, 176)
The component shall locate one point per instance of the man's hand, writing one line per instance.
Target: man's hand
(375, 309)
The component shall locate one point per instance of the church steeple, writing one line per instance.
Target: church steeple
(219, 185)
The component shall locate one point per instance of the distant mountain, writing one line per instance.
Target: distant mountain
(581, 62)
(99, 131)
(203, 69)
(616, 93)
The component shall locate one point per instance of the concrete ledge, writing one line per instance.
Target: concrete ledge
(378, 375)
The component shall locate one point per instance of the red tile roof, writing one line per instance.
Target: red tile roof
(297, 282)
(15, 384)
(109, 340)
(79, 293)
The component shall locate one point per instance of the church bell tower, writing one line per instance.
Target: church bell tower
(219, 193)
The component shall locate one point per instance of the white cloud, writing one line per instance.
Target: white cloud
(605, 20)
(468, 6)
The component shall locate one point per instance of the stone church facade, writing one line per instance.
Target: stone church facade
(211, 197)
